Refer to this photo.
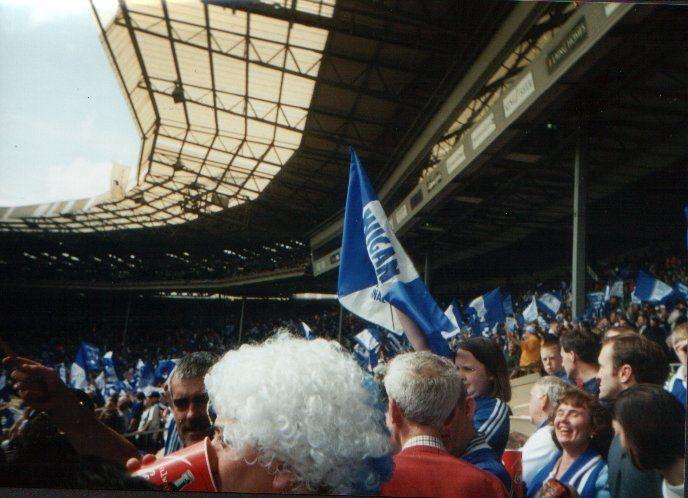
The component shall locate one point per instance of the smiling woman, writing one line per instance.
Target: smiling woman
(582, 431)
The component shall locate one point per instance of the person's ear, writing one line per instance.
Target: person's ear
(395, 412)
(625, 373)
(451, 419)
(470, 406)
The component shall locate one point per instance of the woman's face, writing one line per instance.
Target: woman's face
(681, 349)
(238, 471)
(572, 426)
(474, 374)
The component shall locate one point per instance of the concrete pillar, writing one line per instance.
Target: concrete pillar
(580, 193)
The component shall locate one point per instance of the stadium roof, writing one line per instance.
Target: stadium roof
(222, 94)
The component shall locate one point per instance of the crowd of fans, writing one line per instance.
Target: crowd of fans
(286, 414)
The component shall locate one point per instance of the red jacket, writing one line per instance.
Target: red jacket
(428, 471)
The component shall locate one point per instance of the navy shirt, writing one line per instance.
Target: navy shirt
(481, 455)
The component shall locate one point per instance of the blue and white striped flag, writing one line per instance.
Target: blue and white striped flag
(549, 303)
(530, 314)
(375, 273)
(307, 332)
(649, 289)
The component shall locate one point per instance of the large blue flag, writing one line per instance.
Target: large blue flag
(376, 274)
(649, 289)
(489, 308)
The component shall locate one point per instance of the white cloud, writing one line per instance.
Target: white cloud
(78, 179)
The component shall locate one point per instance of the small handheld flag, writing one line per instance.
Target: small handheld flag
(307, 332)
(651, 290)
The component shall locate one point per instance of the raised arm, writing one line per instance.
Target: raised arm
(413, 332)
(41, 388)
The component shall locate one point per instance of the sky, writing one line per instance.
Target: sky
(63, 117)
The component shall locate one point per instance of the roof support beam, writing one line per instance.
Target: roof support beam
(519, 21)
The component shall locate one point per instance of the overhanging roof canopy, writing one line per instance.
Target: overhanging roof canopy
(220, 99)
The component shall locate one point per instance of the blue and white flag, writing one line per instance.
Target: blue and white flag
(307, 332)
(681, 290)
(366, 359)
(164, 369)
(145, 375)
(596, 305)
(394, 344)
(4, 386)
(452, 312)
(549, 303)
(77, 377)
(111, 371)
(617, 289)
(649, 289)
(375, 273)
(508, 305)
(489, 308)
(368, 340)
(530, 314)
(88, 357)
(511, 323)
(62, 372)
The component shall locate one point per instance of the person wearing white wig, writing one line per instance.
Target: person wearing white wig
(297, 416)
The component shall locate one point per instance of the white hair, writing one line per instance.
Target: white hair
(426, 387)
(552, 387)
(306, 405)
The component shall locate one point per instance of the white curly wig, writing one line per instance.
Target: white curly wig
(308, 405)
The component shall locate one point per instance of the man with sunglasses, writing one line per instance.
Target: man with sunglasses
(188, 402)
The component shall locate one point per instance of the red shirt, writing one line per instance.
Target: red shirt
(428, 471)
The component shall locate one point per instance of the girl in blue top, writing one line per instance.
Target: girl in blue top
(582, 431)
(483, 369)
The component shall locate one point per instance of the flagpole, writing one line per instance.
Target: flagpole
(241, 319)
(339, 330)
